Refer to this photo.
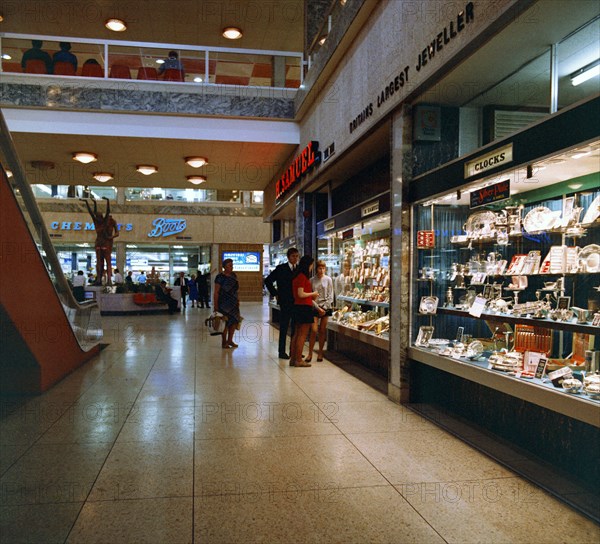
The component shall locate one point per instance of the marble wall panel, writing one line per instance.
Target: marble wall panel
(135, 97)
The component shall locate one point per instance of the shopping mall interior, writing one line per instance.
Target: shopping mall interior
(440, 161)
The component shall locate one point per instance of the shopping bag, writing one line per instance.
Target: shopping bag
(216, 323)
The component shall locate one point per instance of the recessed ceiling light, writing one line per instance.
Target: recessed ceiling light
(196, 162)
(196, 180)
(575, 185)
(85, 157)
(102, 177)
(146, 169)
(322, 40)
(9, 173)
(232, 33)
(197, 80)
(160, 61)
(116, 25)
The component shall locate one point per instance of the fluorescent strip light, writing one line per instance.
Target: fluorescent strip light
(587, 72)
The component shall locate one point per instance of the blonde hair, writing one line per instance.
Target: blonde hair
(321, 263)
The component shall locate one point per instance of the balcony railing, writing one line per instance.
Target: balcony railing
(112, 59)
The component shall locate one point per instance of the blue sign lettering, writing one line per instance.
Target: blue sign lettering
(167, 227)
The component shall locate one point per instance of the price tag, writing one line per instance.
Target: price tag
(425, 239)
(478, 307)
(541, 367)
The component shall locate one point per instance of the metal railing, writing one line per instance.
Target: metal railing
(142, 61)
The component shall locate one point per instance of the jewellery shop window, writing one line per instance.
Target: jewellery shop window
(513, 286)
(357, 260)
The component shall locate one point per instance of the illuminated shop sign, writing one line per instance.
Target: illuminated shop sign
(83, 225)
(426, 55)
(488, 195)
(369, 209)
(496, 158)
(309, 157)
(167, 227)
(244, 261)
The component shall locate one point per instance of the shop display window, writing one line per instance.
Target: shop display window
(514, 286)
(357, 259)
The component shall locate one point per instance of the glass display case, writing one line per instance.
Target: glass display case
(512, 288)
(358, 262)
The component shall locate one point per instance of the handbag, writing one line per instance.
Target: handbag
(216, 323)
(328, 312)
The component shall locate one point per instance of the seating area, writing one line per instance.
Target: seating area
(144, 299)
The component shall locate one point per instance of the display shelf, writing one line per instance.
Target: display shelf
(364, 302)
(571, 326)
(578, 406)
(365, 337)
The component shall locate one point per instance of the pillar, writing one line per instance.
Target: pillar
(400, 308)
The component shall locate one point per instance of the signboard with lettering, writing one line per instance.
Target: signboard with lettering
(493, 193)
(329, 225)
(244, 261)
(496, 158)
(373, 207)
(167, 227)
(309, 157)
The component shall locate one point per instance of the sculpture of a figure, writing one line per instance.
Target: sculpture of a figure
(106, 230)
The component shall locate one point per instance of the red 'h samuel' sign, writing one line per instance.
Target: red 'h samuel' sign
(309, 157)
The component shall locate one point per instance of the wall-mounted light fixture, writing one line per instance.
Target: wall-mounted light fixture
(146, 169)
(585, 73)
(85, 157)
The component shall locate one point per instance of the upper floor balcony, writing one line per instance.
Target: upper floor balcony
(113, 75)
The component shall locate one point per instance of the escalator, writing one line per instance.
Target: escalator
(44, 332)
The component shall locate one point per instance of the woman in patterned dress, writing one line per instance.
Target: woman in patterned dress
(226, 302)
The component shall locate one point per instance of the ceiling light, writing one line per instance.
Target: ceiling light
(232, 33)
(196, 180)
(581, 154)
(9, 173)
(146, 169)
(197, 80)
(585, 73)
(322, 40)
(6, 56)
(160, 61)
(102, 177)
(575, 185)
(196, 162)
(117, 25)
(85, 157)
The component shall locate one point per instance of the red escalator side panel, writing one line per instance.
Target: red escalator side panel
(30, 300)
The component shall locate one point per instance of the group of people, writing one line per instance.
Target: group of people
(37, 53)
(305, 302)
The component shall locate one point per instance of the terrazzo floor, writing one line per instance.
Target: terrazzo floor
(165, 437)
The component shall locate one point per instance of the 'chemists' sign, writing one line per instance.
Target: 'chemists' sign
(496, 158)
(166, 227)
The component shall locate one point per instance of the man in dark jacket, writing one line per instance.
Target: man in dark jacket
(282, 278)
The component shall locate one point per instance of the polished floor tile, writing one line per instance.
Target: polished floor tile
(497, 511)
(374, 515)
(165, 437)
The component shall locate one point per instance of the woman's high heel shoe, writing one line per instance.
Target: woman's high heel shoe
(308, 358)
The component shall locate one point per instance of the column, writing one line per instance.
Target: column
(278, 71)
(400, 308)
(120, 249)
